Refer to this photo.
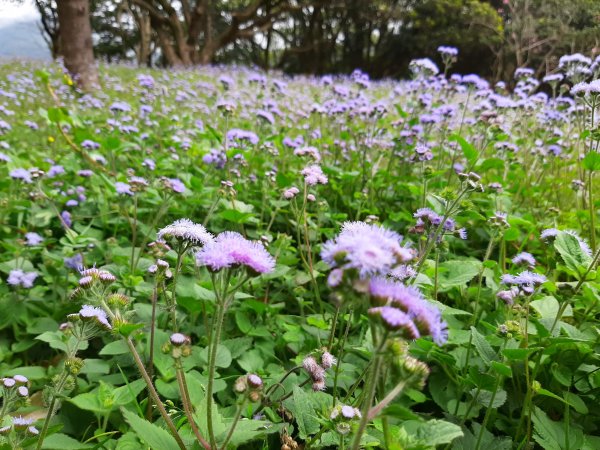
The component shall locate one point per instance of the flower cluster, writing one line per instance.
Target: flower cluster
(525, 281)
(403, 309)
(317, 371)
(344, 416)
(366, 249)
(184, 230)
(230, 249)
(19, 278)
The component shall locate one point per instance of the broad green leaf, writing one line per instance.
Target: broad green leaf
(61, 441)
(457, 273)
(483, 347)
(570, 250)
(591, 161)
(304, 413)
(432, 432)
(156, 437)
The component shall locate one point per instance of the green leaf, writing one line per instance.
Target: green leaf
(157, 438)
(502, 369)
(519, 354)
(547, 307)
(457, 273)
(61, 441)
(114, 348)
(468, 150)
(304, 413)
(483, 347)
(485, 397)
(571, 252)
(433, 432)
(591, 161)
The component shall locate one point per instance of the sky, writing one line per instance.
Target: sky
(19, 32)
(11, 12)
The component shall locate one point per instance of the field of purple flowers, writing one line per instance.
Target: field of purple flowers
(222, 258)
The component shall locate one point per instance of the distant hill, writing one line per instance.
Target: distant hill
(23, 40)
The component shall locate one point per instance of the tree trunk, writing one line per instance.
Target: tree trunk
(76, 42)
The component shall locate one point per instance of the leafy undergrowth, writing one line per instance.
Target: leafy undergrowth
(221, 258)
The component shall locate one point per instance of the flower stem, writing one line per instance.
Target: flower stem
(187, 405)
(216, 336)
(154, 394)
(236, 419)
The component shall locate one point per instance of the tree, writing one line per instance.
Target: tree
(76, 45)
(193, 31)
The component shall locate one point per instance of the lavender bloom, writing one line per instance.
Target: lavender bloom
(231, 249)
(93, 313)
(4, 157)
(395, 320)
(291, 193)
(21, 174)
(90, 145)
(548, 234)
(526, 280)
(149, 164)
(186, 230)
(367, 248)
(19, 278)
(176, 185)
(55, 171)
(66, 218)
(524, 258)
(313, 174)
(236, 136)
(75, 262)
(33, 239)
(426, 317)
(123, 188)
(85, 173)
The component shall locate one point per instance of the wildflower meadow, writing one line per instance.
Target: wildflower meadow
(221, 258)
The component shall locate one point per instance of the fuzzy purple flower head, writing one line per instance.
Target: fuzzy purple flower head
(186, 230)
(368, 248)
(231, 249)
(19, 278)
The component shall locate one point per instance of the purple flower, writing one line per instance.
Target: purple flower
(526, 280)
(149, 163)
(19, 278)
(89, 144)
(236, 136)
(75, 262)
(396, 320)
(524, 258)
(176, 185)
(231, 249)
(426, 317)
(85, 173)
(123, 188)
(96, 314)
(21, 174)
(186, 230)
(33, 239)
(66, 218)
(313, 174)
(367, 248)
(55, 171)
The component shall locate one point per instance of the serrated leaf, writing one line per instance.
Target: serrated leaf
(485, 397)
(483, 347)
(570, 250)
(457, 273)
(156, 437)
(591, 161)
(59, 441)
(304, 413)
(433, 432)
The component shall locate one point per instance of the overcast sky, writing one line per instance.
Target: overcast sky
(11, 12)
